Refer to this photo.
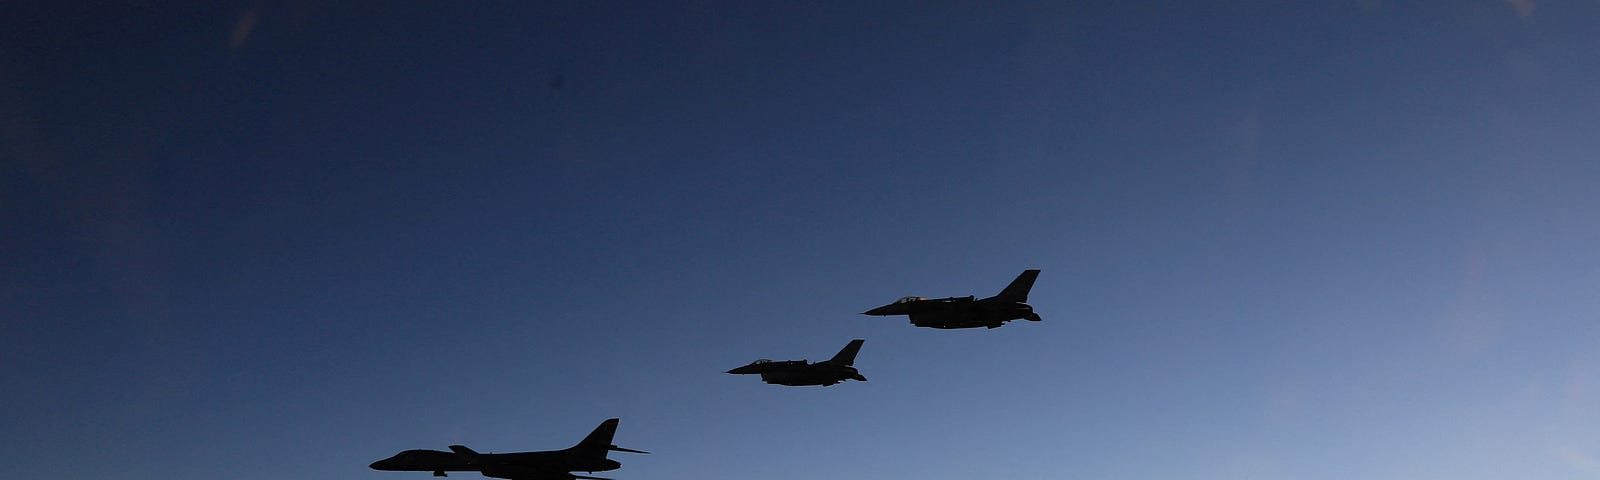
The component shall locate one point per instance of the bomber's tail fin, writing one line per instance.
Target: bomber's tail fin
(847, 356)
(600, 439)
(1017, 291)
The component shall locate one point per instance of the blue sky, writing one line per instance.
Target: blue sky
(1345, 240)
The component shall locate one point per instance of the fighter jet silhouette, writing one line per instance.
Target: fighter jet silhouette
(797, 373)
(968, 312)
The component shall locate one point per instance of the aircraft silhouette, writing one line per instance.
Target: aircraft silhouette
(796, 373)
(968, 312)
(588, 456)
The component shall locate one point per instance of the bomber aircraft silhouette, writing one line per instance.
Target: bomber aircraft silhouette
(796, 373)
(588, 456)
(968, 312)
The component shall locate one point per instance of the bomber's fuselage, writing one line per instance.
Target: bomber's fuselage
(424, 461)
(498, 465)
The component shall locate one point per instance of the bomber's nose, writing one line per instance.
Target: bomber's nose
(386, 464)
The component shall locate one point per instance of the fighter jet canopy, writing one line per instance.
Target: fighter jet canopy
(910, 299)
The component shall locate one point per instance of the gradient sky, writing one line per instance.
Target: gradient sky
(1309, 240)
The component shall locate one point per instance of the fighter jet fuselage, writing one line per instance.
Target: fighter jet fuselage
(970, 311)
(962, 312)
(797, 373)
(587, 456)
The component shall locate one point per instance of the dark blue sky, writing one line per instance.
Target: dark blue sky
(1343, 240)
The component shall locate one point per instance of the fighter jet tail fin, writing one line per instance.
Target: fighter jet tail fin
(1017, 291)
(847, 356)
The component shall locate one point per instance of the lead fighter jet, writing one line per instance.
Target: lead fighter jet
(588, 456)
(797, 373)
(968, 312)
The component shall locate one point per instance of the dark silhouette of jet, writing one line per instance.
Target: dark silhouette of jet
(588, 456)
(796, 373)
(968, 312)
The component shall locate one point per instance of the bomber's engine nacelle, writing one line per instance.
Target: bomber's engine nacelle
(512, 471)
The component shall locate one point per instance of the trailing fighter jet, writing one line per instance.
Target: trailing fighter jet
(588, 456)
(796, 373)
(968, 312)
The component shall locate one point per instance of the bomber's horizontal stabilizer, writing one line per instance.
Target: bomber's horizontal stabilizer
(615, 448)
